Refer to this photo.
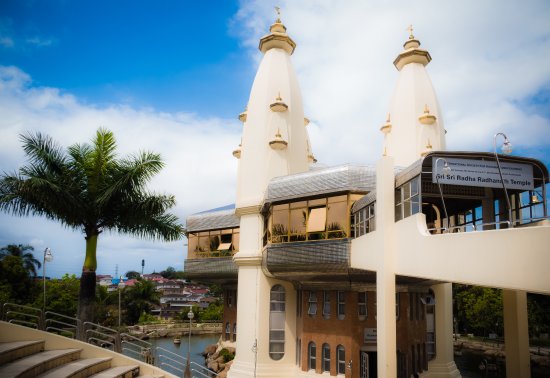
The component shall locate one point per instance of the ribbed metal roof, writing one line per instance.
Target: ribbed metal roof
(213, 220)
(322, 181)
(363, 202)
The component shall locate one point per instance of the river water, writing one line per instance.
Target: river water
(198, 344)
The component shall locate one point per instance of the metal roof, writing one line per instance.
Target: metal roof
(363, 202)
(213, 220)
(341, 178)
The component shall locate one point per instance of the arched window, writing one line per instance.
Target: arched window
(234, 332)
(227, 331)
(311, 355)
(326, 357)
(277, 322)
(341, 359)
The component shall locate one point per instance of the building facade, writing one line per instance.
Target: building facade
(347, 270)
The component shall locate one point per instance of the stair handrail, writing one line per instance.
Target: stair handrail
(55, 323)
(169, 356)
(113, 334)
(38, 322)
(147, 352)
(205, 368)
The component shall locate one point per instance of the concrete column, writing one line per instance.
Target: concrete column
(385, 273)
(443, 365)
(516, 334)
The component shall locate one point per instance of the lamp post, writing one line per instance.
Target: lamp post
(446, 169)
(48, 256)
(187, 373)
(507, 149)
(120, 287)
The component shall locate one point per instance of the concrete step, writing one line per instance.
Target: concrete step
(78, 369)
(130, 371)
(13, 350)
(33, 365)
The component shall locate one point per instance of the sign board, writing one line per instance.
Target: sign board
(369, 335)
(470, 172)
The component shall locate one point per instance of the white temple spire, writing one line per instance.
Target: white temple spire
(416, 124)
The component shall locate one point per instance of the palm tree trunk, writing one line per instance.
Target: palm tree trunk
(86, 297)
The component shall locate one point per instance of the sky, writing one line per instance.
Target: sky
(172, 76)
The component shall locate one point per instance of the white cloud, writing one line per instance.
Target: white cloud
(487, 58)
(6, 41)
(40, 41)
(200, 170)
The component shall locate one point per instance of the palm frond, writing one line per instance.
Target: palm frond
(43, 151)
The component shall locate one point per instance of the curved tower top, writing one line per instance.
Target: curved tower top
(274, 140)
(414, 126)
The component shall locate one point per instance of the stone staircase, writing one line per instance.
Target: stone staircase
(31, 359)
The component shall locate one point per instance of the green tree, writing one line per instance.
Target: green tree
(169, 273)
(15, 283)
(30, 263)
(140, 298)
(132, 274)
(479, 309)
(61, 295)
(89, 189)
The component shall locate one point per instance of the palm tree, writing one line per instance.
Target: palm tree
(87, 188)
(140, 298)
(29, 262)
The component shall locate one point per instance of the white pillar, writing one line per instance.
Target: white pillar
(443, 365)
(385, 275)
(516, 334)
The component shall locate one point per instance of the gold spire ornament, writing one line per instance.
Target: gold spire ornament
(238, 150)
(278, 143)
(410, 30)
(277, 38)
(242, 116)
(386, 128)
(279, 105)
(426, 118)
(428, 149)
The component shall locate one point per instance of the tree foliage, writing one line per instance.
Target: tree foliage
(89, 189)
(30, 263)
(140, 298)
(16, 285)
(479, 309)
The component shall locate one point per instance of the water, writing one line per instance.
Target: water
(198, 344)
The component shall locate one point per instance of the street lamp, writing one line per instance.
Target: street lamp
(48, 256)
(507, 149)
(120, 287)
(446, 170)
(187, 373)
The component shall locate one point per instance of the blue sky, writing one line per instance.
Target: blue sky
(172, 76)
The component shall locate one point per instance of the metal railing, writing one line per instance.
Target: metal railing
(483, 226)
(98, 335)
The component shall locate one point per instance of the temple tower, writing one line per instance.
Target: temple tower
(274, 143)
(414, 126)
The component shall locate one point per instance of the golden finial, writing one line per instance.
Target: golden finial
(410, 30)
(278, 135)
(278, 10)
(385, 152)
(279, 98)
(388, 119)
(426, 110)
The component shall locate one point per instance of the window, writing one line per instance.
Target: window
(362, 305)
(397, 305)
(299, 352)
(326, 304)
(277, 322)
(326, 357)
(407, 199)
(311, 353)
(214, 243)
(341, 305)
(234, 332)
(312, 302)
(230, 298)
(316, 219)
(299, 303)
(341, 360)
(227, 331)
(364, 220)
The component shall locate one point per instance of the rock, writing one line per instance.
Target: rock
(210, 350)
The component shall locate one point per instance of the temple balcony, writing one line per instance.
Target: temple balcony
(213, 239)
(459, 226)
